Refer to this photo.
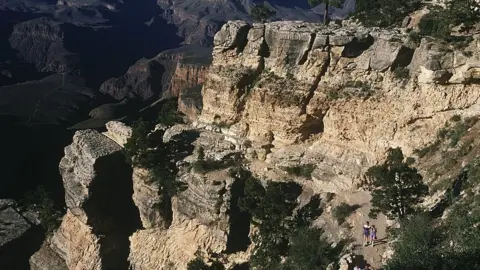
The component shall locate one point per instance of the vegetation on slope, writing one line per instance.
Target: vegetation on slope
(40, 201)
(397, 188)
(146, 149)
(280, 241)
(426, 241)
(438, 23)
(383, 13)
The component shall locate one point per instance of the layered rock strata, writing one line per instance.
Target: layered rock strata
(346, 94)
(164, 75)
(100, 215)
(277, 95)
(42, 42)
(201, 213)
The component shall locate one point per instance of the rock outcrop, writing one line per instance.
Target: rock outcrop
(357, 91)
(164, 75)
(118, 132)
(277, 95)
(199, 20)
(202, 213)
(41, 42)
(13, 232)
(190, 102)
(101, 215)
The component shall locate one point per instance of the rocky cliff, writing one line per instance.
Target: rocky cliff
(164, 75)
(107, 202)
(345, 94)
(276, 96)
(41, 42)
(101, 215)
(199, 20)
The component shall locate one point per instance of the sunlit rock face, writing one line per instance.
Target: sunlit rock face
(349, 93)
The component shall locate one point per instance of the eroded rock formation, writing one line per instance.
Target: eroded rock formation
(101, 215)
(164, 75)
(41, 42)
(349, 92)
(277, 95)
(201, 213)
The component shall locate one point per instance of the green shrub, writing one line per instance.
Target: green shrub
(145, 151)
(473, 174)
(383, 13)
(414, 249)
(435, 24)
(139, 141)
(40, 201)
(456, 118)
(364, 90)
(423, 243)
(459, 130)
(453, 134)
(309, 250)
(442, 133)
(301, 170)
(471, 121)
(431, 148)
(333, 95)
(222, 124)
(439, 21)
(415, 37)
(443, 184)
(396, 187)
(198, 264)
(342, 211)
(204, 166)
(272, 210)
(168, 114)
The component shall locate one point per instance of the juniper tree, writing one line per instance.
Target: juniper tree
(396, 187)
(328, 4)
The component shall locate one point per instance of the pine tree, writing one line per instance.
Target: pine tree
(328, 3)
(396, 187)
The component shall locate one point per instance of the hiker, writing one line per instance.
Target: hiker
(373, 234)
(366, 233)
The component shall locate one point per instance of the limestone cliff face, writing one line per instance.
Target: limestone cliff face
(201, 213)
(277, 95)
(186, 76)
(100, 215)
(190, 102)
(164, 75)
(335, 91)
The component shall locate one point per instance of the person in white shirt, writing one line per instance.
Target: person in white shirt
(366, 233)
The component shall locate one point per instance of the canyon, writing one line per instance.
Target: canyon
(275, 96)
